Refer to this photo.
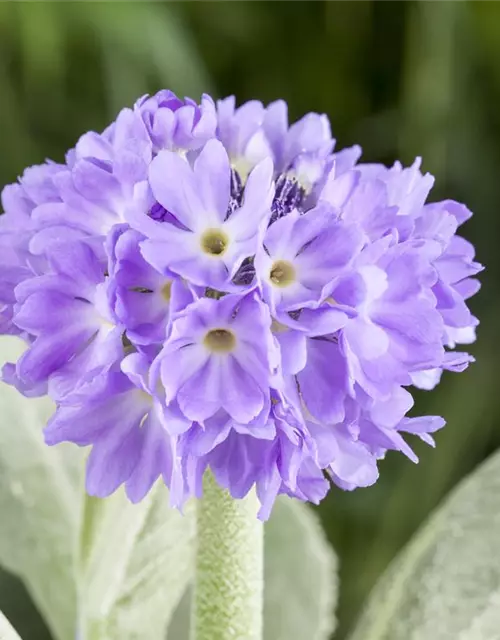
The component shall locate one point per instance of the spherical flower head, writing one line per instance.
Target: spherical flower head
(208, 286)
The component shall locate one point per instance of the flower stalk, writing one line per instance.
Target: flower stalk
(229, 579)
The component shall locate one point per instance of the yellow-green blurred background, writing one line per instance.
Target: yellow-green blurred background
(400, 78)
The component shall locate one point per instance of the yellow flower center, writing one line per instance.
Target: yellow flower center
(166, 291)
(278, 327)
(220, 340)
(282, 273)
(214, 242)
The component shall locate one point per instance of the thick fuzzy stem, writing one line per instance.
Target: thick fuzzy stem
(229, 579)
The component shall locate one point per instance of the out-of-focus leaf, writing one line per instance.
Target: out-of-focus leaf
(6, 17)
(124, 80)
(136, 562)
(446, 583)
(300, 575)
(16, 143)
(20, 610)
(300, 589)
(152, 35)
(433, 81)
(178, 628)
(38, 503)
(41, 37)
(6, 630)
(484, 22)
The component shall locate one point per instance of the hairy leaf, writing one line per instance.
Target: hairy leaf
(38, 503)
(446, 583)
(136, 561)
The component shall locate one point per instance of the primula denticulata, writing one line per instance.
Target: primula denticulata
(202, 285)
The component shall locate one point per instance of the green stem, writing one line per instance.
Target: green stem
(229, 580)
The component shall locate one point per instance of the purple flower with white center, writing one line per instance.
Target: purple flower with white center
(225, 359)
(206, 246)
(302, 255)
(205, 286)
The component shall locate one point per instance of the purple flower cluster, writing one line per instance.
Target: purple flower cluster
(208, 286)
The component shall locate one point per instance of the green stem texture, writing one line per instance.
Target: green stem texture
(229, 579)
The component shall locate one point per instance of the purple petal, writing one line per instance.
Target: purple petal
(323, 382)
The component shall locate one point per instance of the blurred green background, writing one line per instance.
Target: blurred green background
(401, 78)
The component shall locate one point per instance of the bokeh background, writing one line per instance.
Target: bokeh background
(403, 79)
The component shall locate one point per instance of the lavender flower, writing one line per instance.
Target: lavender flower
(177, 124)
(207, 246)
(206, 286)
